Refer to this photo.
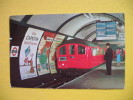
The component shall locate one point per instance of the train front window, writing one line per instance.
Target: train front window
(72, 49)
(63, 50)
(81, 50)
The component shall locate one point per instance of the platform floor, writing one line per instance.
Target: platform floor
(97, 79)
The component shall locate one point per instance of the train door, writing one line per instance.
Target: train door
(77, 58)
(73, 60)
(82, 56)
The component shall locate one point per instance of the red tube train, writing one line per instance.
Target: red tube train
(79, 55)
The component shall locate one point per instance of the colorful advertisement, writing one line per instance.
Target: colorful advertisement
(27, 58)
(43, 53)
(58, 39)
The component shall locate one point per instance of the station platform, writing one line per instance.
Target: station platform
(97, 79)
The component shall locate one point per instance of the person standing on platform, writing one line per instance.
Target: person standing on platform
(118, 56)
(108, 58)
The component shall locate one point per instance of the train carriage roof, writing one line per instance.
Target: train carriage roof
(80, 41)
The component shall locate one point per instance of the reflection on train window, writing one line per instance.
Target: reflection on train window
(71, 49)
(81, 50)
(96, 51)
(63, 50)
(102, 52)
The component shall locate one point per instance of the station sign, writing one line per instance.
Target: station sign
(14, 51)
(106, 30)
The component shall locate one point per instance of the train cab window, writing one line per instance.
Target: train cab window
(72, 49)
(63, 50)
(81, 50)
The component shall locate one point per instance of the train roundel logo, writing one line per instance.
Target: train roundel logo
(14, 51)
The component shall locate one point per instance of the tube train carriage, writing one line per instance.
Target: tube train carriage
(78, 55)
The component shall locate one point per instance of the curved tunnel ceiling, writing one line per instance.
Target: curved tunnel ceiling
(50, 21)
(86, 31)
(71, 28)
(74, 25)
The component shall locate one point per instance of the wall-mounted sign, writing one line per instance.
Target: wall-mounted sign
(106, 30)
(14, 51)
(27, 58)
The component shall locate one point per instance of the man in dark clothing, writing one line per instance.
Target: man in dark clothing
(108, 58)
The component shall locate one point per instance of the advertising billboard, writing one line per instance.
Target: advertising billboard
(58, 39)
(43, 53)
(27, 58)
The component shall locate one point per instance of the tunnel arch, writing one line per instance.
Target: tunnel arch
(78, 23)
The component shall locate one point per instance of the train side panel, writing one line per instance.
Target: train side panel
(79, 56)
(97, 56)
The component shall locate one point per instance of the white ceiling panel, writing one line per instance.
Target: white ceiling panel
(50, 21)
(86, 31)
(74, 25)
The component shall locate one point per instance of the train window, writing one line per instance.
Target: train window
(94, 51)
(63, 50)
(72, 49)
(100, 52)
(81, 50)
(103, 52)
(97, 51)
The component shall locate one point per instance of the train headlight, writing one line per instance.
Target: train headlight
(62, 64)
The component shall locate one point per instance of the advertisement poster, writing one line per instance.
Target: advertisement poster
(43, 53)
(27, 59)
(58, 39)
